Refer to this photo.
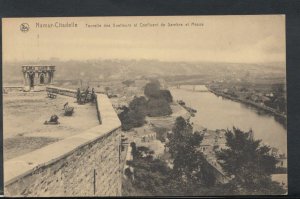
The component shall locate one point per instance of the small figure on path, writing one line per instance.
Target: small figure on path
(78, 95)
(86, 93)
(93, 97)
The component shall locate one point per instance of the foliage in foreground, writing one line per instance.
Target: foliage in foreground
(245, 160)
(189, 163)
(190, 169)
(249, 163)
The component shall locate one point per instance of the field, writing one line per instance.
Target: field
(25, 113)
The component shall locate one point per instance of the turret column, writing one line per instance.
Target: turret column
(24, 79)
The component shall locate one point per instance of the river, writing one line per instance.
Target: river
(215, 112)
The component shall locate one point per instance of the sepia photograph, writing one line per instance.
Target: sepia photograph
(145, 106)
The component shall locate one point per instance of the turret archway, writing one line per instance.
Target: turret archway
(42, 79)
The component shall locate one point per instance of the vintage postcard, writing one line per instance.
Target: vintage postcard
(144, 106)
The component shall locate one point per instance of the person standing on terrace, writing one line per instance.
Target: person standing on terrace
(86, 93)
(93, 97)
(78, 95)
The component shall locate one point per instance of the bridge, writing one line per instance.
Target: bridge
(194, 88)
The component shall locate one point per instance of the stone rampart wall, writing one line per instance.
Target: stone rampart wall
(86, 164)
(91, 170)
(8, 89)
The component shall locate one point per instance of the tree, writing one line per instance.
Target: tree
(166, 94)
(150, 174)
(128, 173)
(139, 104)
(249, 163)
(133, 150)
(139, 107)
(158, 107)
(132, 119)
(134, 115)
(152, 89)
(190, 167)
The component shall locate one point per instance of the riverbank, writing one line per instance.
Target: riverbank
(215, 112)
(188, 109)
(253, 104)
(169, 121)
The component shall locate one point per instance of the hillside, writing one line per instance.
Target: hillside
(125, 69)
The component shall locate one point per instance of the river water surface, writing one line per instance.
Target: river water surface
(215, 112)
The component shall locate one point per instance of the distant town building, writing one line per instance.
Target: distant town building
(205, 147)
(37, 75)
(145, 135)
(282, 162)
(148, 136)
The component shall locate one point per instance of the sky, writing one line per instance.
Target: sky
(235, 39)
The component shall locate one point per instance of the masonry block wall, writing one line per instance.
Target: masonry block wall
(91, 170)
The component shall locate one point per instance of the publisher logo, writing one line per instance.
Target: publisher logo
(24, 27)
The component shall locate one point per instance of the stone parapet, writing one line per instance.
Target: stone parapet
(8, 89)
(61, 91)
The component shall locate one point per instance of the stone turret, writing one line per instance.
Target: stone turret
(37, 76)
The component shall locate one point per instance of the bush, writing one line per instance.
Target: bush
(131, 119)
(152, 89)
(150, 174)
(158, 107)
(158, 100)
(161, 133)
(166, 94)
(250, 163)
(139, 104)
